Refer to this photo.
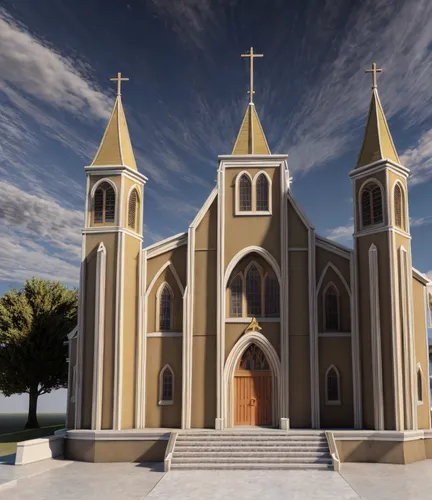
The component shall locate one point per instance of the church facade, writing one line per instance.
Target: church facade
(249, 318)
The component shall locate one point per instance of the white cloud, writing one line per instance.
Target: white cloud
(419, 159)
(341, 233)
(420, 221)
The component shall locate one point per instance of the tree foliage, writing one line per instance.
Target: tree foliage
(34, 323)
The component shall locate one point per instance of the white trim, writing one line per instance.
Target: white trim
(157, 312)
(99, 329)
(232, 360)
(377, 166)
(300, 212)
(161, 270)
(333, 247)
(188, 337)
(164, 334)
(269, 194)
(163, 402)
(355, 343)
(73, 333)
(328, 266)
(166, 245)
(140, 339)
(329, 285)
(404, 208)
(376, 338)
(237, 193)
(384, 196)
(419, 370)
(81, 311)
(419, 276)
(379, 228)
(138, 223)
(338, 401)
(248, 319)
(366, 435)
(207, 204)
(129, 172)
(144, 339)
(111, 229)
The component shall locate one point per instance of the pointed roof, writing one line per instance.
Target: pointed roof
(116, 146)
(251, 139)
(377, 142)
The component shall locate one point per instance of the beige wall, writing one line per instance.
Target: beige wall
(299, 382)
(162, 351)
(298, 234)
(71, 388)
(337, 352)
(178, 258)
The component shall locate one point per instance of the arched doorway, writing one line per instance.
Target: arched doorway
(253, 389)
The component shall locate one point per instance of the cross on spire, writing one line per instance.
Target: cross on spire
(251, 56)
(374, 72)
(119, 79)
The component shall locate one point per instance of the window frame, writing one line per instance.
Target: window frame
(166, 402)
(241, 276)
(329, 285)
(404, 207)
(338, 401)
(253, 211)
(362, 189)
(262, 291)
(136, 227)
(158, 304)
(91, 213)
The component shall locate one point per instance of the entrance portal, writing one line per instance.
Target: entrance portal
(253, 389)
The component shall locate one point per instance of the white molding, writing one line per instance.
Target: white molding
(328, 266)
(123, 435)
(366, 435)
(161, 270)
(162, 402)
(237, 210)
(248, 319)
(419, 276)
(284, 306)
(333, 247)
(404, 207)
(380, 228)
(157, 312)
(111, 229)
(338, 401)
(377, 166)
(117, 170)
(166, 245)
(254, 195)
(81, 314)
(376, 338)
(355, 343)
(188, 336)
(144, 339)
(164, 334)
(228, 374)
(138, 223)
(207, 204)
(99, 330)
(329, 285)
(140, 339)
(117, 208)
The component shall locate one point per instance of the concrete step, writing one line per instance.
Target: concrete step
(262, 447)
(252, 454)
(239, 443)
(268, 460)
(250, 466)
(264, 437)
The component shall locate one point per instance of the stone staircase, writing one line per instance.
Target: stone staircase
(254, 449)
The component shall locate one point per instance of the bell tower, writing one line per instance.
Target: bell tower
(383, 271)
(107, 396)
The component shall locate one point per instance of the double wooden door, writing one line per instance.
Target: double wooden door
(253, 398)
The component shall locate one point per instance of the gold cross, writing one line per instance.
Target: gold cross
(374, 72)
(119, 79)
(251, 56)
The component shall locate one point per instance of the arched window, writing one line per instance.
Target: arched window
(104, 203)
(236, 309)
(253, 359)
(262, 193)
(165, 308)
(419, 385)
(399, 207)
(371, 201)
(331, 309)
(245, 193)
(132, 210)
(271, 297)
(332, 386)
(253, 291)
(166, 386)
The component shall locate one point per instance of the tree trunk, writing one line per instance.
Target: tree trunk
(32, 422)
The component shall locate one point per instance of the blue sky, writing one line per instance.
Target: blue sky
(184, 103)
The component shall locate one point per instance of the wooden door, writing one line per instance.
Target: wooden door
(252, 398)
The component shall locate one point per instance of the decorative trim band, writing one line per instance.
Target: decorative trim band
(165, 334)
(108, 435)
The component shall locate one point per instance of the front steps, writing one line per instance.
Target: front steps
(255, 449)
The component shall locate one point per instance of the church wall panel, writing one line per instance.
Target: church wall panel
(71, 388)
(344, 302)
(162, 351)
(323, 257)
(203, 381)
(298, 234)
(299, 382)
(298, 283)
(233, 331)
(337, 352)
(260, 230)
(176, 256)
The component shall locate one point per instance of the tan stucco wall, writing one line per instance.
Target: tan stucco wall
(233, 331)
(323, 257)
(337, 352)
(421, 351)
(298, 234)
(392, 178)
(384, 452)
(263, 230)
(298, 293)
(115, 451)
(162, 351)
(428, 448)
(299, 382)
(128, 183)
(71, 389)
(178, 258)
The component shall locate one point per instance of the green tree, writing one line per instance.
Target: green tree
(34, 323)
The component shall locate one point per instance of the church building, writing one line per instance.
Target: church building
(249, 318)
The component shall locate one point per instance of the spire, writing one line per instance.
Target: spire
(116, 146)
(377, 141)
(251, 139)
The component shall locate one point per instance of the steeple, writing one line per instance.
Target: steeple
(251, 139)
(377, 142)
(116, 147)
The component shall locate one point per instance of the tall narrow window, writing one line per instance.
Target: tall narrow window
(419, 386)
(331, 309)
(132, 210)
(253, 291)
(236, 309)
(165, 308)
(332, 386)
(104, 204)
(371, 201)
(262, 193)
(399, 207)
(166, 386)
(245, 188)
(271, 297)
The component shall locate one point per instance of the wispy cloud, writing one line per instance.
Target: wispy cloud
(341, 233)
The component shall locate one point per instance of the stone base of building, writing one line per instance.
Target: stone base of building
(116, 446)
(385, 447)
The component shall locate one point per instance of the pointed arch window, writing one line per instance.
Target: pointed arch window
(331, 309)
(253, 359)
(132, 210)
(166, 386)
(165, 308)
(245, 194)
(104, 204)
(236, 304)
(253, 291)
(332, 386)
(371, 203)
(419, 385)
(399, 207)
(262, 193)
(271, 297)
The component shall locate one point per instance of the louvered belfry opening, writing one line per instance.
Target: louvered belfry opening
(371, 200)
(104, 204)
(132, 210)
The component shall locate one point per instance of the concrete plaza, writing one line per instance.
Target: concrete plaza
(62, 480)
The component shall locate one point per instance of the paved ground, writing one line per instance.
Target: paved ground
(57, 480)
